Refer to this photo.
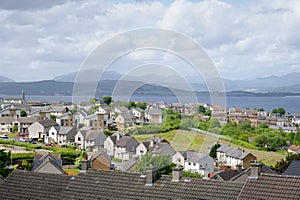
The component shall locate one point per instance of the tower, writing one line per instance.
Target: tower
(23, 95)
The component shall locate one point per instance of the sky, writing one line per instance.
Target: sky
(244, 39)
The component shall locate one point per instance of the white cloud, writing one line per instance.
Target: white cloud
(244, 40)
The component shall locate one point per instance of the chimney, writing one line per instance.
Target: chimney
(206, 174)
(255, 169)
(177, 173)
(85, 165)
(151, 175)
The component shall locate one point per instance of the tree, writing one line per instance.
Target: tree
(280, 111)
(281, 165)
(213, 151)
(53, 117)
(15, 128)
(107, 100)
(142, 105)
(131, 104)
(93, 100)
(201, 109)
(159, 161)
(270, 140)
(23, 113)
(4, 158)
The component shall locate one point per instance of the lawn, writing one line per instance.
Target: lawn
(188, 140)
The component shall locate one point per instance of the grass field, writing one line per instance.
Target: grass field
(182, 140)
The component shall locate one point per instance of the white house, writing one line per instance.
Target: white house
(232, 156)
(90, 139)
(40, 128)
(125, 147)
(194, 162)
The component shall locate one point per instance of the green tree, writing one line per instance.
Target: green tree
(296, 138)
(159, 161)
(23, 113)
(142, 105)
(131, 104)
(201, 109)
(213, 151)
(53, 117)
(281, 165)
(25, 165)
(270, 140)
(93, 100)
(15, 128)
(280, 111)
(4, 158)
(107, 100)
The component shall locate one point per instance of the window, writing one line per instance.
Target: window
(79, 139)
(141, 151)
(194, 164)
(52, 133)
(189, 163)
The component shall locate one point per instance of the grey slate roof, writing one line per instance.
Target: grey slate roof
(124, 141)
(120, 185)
(226, 176)
(47, 123)
(27, 120)
(293, 169)
(30, 185)
(232, 151)
(39, 159)
(94, 134)
(271, 187)
(7, 120)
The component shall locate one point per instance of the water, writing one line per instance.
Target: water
(291, 103)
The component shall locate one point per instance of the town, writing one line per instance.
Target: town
(140, 137)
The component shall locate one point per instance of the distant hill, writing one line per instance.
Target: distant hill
(91, 76)
(5, 79)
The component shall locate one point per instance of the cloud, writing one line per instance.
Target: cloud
(245, 40)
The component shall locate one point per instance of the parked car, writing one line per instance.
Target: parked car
(22, 139)
(4, 136)
(49, 145)
(33, 142)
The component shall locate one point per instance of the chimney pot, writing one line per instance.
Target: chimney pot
(151, 175)
(177, 173)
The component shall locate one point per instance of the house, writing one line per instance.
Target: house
(220, 113)
(193, 161)
(153, 116)
(62, 135)
(40, 113)
(110, 142)
(40, 128)
(24, 123)
(121, 109)
(125, 119)
(87, 138)
(66, 135)
(125, 147)
(294, 149)
(293, 169)
(96, 121)
(233, 157)
(10, 112)
(6, 124)
(58, 110)
(67, 119)
(242, 175)
(101, 161)
(48, 164)
(138, 113)
(81, 114)
(105, 110)
(156, 146)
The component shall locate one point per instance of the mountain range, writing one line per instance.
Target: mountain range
(63, 85)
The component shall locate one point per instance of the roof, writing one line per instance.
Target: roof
(123, 141)
(27, 120)
(40, 159)
(120, 185)
(195, 157)
(47, 123)
(111, 185)
(94, 134)
(7, 120)
(28, 185)
(294, 147)
(158, 147)
(233, 151)
(127, 115)
(293, 169)
(94, 156)
(271, 187)
(154, 111)
(228, 175)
